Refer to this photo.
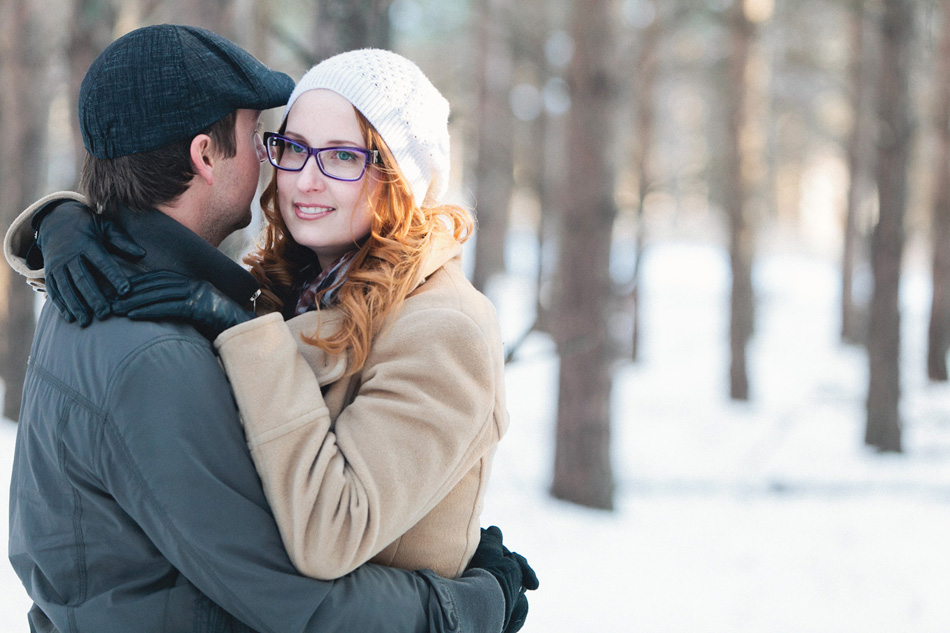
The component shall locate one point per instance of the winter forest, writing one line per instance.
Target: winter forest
(717, 233)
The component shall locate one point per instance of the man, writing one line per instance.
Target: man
(134, 503)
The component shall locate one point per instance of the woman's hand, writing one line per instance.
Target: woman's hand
(165, 295)
(512, 572)
(79, 248)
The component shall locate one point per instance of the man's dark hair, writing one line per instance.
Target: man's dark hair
(148, 179)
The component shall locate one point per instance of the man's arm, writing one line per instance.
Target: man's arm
(174, 456)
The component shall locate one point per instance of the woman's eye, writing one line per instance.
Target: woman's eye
(297, 149)
(344, 156)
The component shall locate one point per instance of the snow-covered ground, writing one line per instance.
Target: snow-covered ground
(765, 517)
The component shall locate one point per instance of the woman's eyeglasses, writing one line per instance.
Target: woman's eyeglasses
(339, 163)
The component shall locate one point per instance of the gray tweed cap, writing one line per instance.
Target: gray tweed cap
(165, 83)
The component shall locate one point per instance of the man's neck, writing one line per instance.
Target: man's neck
(186, 211)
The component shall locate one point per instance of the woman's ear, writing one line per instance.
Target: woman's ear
(203, 158)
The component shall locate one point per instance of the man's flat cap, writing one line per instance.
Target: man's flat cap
(166, 83)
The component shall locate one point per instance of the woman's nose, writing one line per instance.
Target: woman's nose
(311, 178)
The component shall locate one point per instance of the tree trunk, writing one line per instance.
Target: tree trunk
(24, 108)
(537, 149)
(939, 333)
(554, 183)
(91, 30)
(644, 100)
(343, 25)
(552, 198)
(582, 469)
(742, 301)
(494, 177)
(883, 425)
(214, 15)
(860, 170)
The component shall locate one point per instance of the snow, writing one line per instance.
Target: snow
(768, 516)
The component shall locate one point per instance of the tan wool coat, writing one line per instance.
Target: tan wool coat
(389, 464)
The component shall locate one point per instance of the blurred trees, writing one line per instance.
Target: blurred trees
(599, 128)
(939, 332)
(580, 323)
(90, 31)
(861, 74)
(893, 155)
(736, 159)
(27, 42)
(494, 166)
(644, 86)
(341, 25)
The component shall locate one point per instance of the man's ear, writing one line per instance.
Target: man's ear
(203, 158)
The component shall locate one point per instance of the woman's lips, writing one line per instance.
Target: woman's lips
(312, 212)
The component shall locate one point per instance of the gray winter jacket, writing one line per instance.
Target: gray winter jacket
(134, 503)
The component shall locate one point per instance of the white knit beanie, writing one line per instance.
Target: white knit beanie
(402, 105)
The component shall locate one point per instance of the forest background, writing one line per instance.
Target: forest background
(588, 135)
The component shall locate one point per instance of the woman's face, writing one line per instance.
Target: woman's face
(327, 216)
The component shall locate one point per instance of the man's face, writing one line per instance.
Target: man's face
(236, 179)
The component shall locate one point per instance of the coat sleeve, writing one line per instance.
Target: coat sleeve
(19, 238)
(173, 454)
(421, 419)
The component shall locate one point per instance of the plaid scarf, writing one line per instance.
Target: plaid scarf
(325, 285)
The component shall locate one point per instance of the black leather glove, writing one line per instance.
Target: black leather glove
(79, 248)
(512, 572)
(162, 294)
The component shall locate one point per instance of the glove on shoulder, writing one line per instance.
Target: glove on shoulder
(80, 251)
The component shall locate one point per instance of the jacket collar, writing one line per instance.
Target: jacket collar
(169, 245)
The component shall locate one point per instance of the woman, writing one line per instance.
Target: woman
(372, 414)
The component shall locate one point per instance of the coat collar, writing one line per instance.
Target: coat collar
(326, 321)
(443, 249)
